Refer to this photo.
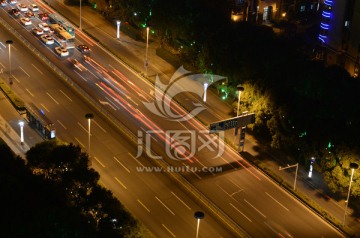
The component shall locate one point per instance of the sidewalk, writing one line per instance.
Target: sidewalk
(105, 32)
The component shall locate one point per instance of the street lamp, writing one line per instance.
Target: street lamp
(80, 16)
(240, 90)
(198, 215)
(205, 88)
(21, 124)
(147, 47)
(353, 166)
(118, 23)
(289, 166)
(9, 43)
(89, 116)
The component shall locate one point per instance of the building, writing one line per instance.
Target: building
(339, 34)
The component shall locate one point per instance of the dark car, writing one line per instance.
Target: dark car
(83, 49)
(15, 12)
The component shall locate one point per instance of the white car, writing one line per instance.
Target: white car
(61, 51)
(22, 7)
(25, 21)
(34, 7)
(38, 31)
(3, 3)
(47, 39)
(12, 2)
(44, 26)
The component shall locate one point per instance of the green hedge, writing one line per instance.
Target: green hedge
(14, 99)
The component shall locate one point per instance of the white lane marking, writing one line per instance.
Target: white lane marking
(52, 98)
(165, 205)
(122, 165)
(44, 107)
(98, 160)
(168, 230)
(79, 142)
(61, 124)
(192, 171)
(240, 212)
(29, 92)
(118, 180)
(136, 160)
(84, 128)
(277, 201)
(66, 95)
(24, 71)
(181, 201)
(99, 126)
(37, 69)
(254, 208)
(17, 80)
(142, 204)
(81, 76)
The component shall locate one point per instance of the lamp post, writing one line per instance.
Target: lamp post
(21, 124)
(205, 89)
(89, 116)
(80, 16)
(296, 172)
(353, 166)
(240, 90)
(118, 23)
(198, 215)
(9, 43)
(146, 53)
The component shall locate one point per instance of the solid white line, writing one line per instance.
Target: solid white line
(61, 124)
(24, 71)
(66, 95)
(99, 162)
(168, 230)
(81, 76)
(52, 98)
(181, 201)
(240, 212)
(122, 165)
(147, 209)
(255, 208)
(277, 202)
(29, 92)
(165, 206)
(118, 180)
(37, 69)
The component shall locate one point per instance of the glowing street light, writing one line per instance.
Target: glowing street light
(205, 89)
(353, 166)
(21, 124)
(118, 23)
(198, 215)
(89, 116)
(240, 90)
(9, 43)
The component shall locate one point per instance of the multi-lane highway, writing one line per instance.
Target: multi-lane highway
(253, 201)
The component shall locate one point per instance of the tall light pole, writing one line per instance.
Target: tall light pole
(198, 215)
(118, 23)
(240, 90)
(205, 89)
(21, 124)
(353, 166)
(9, 43)
(80, 16)
(296, 172)
(147, 47)
(89, 116)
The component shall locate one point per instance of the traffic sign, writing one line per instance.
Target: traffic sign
(234, 122)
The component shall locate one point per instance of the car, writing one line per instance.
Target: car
(61, 51)
(3, 3)
(15, 12)
(38, 31)
(25, 21)
(22, 7)
(43, 16)
(47, 39)
(44, 26)
(34, 7)
(83, 49)
(12, 2)
(29, 14)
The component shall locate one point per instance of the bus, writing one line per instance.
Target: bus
(56, 19)
(39, 121)
(62, 37)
